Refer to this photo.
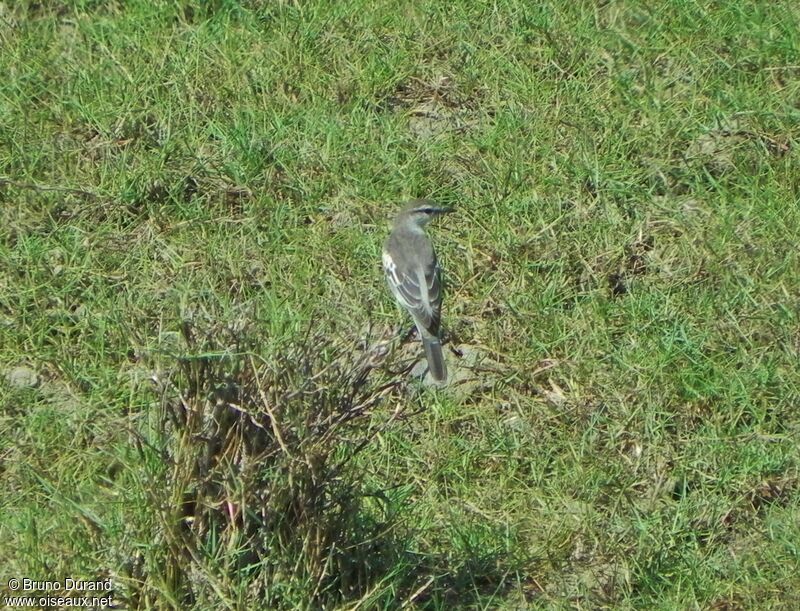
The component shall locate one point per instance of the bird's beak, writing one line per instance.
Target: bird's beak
(445, 210)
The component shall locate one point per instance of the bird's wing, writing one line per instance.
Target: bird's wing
(418, 290)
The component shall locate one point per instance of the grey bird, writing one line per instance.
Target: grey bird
(414, 276)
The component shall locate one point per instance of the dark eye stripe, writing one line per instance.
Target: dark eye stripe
(430, 210)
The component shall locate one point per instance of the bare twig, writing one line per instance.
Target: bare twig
(45, 188)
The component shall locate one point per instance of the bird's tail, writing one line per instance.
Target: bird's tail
(433, 352)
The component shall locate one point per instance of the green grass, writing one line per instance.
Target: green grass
(623, 260)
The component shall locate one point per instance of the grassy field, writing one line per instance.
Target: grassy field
(203, 393)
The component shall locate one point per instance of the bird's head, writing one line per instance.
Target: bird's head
(421, 211)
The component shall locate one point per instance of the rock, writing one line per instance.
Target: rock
(21, 377)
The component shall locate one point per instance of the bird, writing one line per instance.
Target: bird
(415, 277)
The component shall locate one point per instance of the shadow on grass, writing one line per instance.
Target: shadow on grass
(478, 581)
